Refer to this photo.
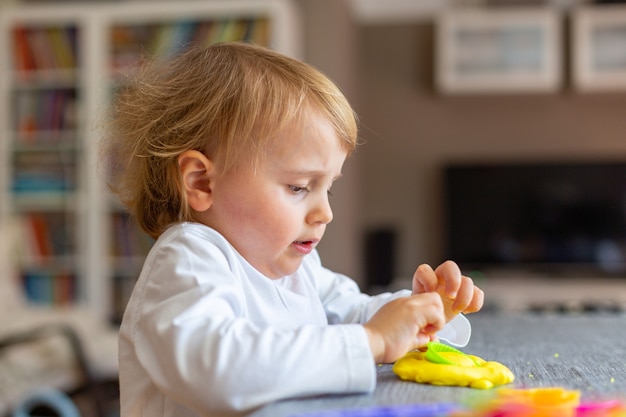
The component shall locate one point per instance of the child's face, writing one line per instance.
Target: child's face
(277, 214)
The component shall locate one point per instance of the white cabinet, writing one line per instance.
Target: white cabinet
(67, 242)
(498, 50)
(527, 49)
(599, 48)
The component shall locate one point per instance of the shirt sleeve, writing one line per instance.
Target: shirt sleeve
(188, 329)
(344, 303)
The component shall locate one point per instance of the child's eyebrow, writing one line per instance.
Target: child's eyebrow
(312, 173)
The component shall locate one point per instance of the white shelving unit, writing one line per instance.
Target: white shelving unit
(69, 243)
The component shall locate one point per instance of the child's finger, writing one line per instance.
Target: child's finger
(450, 274)
(424, 279)
(477, 301)
(464, 295)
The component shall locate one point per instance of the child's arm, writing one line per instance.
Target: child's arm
(205, 334)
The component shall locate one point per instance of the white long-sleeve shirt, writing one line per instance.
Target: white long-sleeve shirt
(204, 333)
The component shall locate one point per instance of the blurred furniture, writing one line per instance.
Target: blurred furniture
(64, 350)
(47, 402)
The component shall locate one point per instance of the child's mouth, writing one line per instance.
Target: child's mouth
(303, 246)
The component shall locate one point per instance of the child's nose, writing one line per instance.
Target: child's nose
(321, 212)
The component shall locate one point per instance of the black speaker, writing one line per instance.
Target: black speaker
(380, 246)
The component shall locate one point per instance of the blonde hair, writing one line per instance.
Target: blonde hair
(228, 101)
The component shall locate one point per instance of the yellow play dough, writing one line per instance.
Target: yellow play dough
(465, 370)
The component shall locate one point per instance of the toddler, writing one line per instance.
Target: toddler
(226, 155)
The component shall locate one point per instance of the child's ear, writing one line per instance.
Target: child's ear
(197, 172)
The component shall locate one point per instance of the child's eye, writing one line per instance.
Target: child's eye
(297, 189)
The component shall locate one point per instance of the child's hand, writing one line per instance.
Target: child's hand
(404, 324)
(458, 292)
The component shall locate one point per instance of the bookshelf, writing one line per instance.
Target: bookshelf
(69, 241)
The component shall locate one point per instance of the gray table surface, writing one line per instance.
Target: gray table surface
(579, 351)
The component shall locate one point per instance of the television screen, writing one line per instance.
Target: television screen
(546, 216)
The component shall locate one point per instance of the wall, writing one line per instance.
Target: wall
(329, 44)
(411, 131)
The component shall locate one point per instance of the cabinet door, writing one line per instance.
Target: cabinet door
(599, 48)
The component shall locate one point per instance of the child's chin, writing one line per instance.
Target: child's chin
(282, 272)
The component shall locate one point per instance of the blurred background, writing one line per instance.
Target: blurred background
(493, 134)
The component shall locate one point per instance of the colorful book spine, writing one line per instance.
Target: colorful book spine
(130, 43)
(45, 287)
(44, 48)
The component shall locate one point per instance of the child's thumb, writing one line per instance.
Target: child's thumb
(422, 339)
